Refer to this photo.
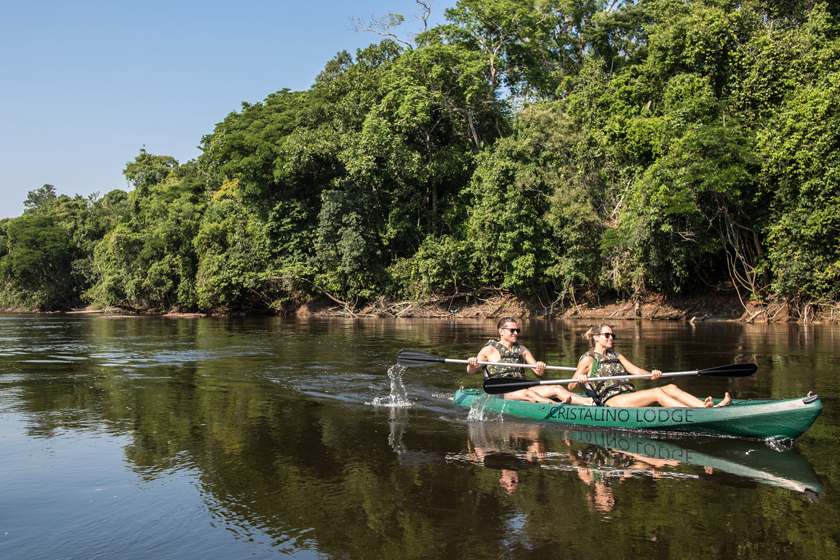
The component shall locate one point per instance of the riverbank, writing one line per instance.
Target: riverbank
(711, 306)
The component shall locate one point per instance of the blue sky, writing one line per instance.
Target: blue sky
(87, 84)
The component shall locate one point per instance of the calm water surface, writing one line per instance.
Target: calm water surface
(269, 438)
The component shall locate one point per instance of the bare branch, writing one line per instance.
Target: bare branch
(426, 9)
(384, 26)
(612, 5)
(381, 26)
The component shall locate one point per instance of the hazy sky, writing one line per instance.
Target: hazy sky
(85, 85)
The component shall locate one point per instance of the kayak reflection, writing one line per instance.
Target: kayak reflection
(609, 457)
(759, 461)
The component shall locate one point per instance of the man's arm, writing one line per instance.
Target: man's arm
(529, 359)
(483, 356)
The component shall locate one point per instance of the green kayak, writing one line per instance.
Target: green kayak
(759, 419)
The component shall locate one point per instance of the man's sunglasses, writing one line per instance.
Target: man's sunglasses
(516, 331)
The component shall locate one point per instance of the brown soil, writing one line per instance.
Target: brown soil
(714, 306)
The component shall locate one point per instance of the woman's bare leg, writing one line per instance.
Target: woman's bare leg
(687, 399)
(649, 397)
(529, 395)
(646, 397)
(665, 397)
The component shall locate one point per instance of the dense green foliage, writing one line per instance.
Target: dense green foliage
(538, 146)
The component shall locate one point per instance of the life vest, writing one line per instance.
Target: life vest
(608, 366)
(509, 356)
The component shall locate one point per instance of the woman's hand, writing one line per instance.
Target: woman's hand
(582, 376)
(655, 374)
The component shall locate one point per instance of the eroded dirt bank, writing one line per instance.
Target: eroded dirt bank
(713, 306)
(706, 307)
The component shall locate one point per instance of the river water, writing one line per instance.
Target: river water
(262, 437)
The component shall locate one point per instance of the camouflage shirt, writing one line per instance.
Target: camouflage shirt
(608, 366)
(511, 356)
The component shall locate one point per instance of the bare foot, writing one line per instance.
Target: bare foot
(567, 400)
(709, 402)
(726, 400)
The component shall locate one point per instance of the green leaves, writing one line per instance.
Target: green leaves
(148, 170)
(39, 199)
(37, 261)
(559, 146)
(801, 184)
(347, 246)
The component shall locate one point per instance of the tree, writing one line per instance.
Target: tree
(39, 199)
(147, 260)
(148, 170)
(37, 263)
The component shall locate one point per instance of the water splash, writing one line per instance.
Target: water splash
(478, 412)
(781, 445)
(398, 396)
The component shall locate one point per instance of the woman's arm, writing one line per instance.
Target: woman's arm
(633, 369)
(582, 372)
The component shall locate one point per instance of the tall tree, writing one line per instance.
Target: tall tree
(37, 263)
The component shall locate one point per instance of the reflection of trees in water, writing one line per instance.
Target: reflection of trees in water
(317, 475)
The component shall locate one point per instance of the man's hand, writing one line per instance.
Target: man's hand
(472, 364)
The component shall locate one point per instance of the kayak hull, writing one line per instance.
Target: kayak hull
(759, 419)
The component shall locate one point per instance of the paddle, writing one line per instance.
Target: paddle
(499, 385)
(414, 358)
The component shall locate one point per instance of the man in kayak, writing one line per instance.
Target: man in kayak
(508, 350)
(603, 361)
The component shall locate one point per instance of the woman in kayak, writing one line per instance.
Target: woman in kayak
(603, 361)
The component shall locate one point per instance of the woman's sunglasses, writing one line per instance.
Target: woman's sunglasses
(608, 335)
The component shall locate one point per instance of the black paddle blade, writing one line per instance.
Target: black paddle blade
(732, 370)
(501, 385)
(414, 358)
